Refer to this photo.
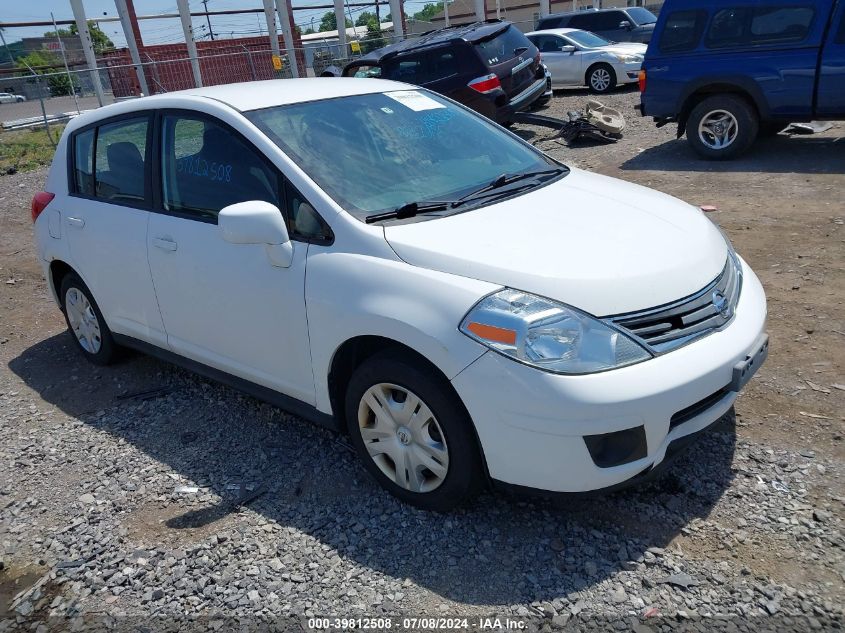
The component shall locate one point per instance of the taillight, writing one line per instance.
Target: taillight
(537, 58)
(40, 202)
(485, 84)
(642, 79)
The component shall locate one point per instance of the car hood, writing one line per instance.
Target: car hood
(626, 48)
(597, 243)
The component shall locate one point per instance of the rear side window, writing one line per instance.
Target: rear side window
(83, 161)
(504, 47)
(424, 67)
(757, 26)
(682, 31)
(547, 43)
(119, 160)
(205, 167)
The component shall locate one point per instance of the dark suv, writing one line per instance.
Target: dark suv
(490, 67)
(634, 24)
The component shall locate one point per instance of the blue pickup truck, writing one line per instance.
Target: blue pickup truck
(728, 71)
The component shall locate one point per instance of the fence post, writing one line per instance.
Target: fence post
(340, 18)
(251, 64)
(544, 8)
(88, 48)
(129, 34)
(397, 17)
(188, 29)
(270, 16)
(480, 10)
(64, 59)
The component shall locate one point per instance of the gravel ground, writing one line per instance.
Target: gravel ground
(141, 490)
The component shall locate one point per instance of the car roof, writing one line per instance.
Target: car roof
(473, 32)
(585, 12)
(561, 31)
(254, 95)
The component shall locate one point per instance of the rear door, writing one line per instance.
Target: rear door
(512, 57)
(106, 217)
(831, 92)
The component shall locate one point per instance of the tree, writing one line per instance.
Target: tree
(374, 38)
(99, 39)
(428, 12)
(387, 18)
(329, 23)
(44, 62)
(365, 18)
(309, 31)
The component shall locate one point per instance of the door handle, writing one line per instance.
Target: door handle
(164, 243)
(77, 222)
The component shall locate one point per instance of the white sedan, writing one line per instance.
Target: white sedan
(9, 97)
(581, 58)
(379, 259)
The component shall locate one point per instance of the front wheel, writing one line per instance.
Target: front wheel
(601, 78)
(722, 127)
(412, 433)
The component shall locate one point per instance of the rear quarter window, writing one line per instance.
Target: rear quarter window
(682, 31)
(759, 26)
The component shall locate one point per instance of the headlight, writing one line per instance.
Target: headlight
(549, 335)
(629, 59)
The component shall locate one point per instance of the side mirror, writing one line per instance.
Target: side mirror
(567, 48)
(624, 24)
(257, 222)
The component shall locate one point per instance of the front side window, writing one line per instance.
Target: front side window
(119, 160)
(682, 31)
(757, 26)
(376, 152)
(547, 43)
(422, 67)
(206, 166)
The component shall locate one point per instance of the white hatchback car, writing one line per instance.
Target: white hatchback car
(384, 261)
(581, 58)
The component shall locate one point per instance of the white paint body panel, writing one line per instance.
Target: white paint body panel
(599, 244)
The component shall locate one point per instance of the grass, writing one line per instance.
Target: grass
(24, 150)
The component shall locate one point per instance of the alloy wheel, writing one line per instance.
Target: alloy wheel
(718, 129)
(403, 437)
(600, 79)
(83, 320)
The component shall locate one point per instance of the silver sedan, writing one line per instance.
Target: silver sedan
(581, 58)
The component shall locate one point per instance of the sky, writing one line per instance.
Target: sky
(169, 30)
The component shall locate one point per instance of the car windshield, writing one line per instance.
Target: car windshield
(585, 39)
(376, 152)
(642, 16)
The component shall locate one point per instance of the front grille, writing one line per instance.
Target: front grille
(668, 327)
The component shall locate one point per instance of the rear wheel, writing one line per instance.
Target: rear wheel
(722, 127)
(412, 433)
(85, 322)
(601, 78)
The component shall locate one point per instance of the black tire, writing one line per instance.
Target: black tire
(603, 71)
(747, 126)
(464, 473)
(108, 350)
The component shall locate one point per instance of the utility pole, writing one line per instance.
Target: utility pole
(208, 18)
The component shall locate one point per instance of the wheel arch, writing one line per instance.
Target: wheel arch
(592, 67)
(59, 269)
(700, 91)
(355, 351)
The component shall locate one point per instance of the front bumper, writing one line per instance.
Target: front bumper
(627, 73)
(535, 426)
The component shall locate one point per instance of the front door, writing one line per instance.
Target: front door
(225, 305)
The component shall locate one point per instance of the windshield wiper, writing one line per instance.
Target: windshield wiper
(408, 210)
(502, 181)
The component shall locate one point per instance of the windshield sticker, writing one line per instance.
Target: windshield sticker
(414, 100)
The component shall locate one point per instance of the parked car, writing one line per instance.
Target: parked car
(489, 66)
(9, 97)
(581, 58)
(632, 24)
(385, 261)
(728, 71)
